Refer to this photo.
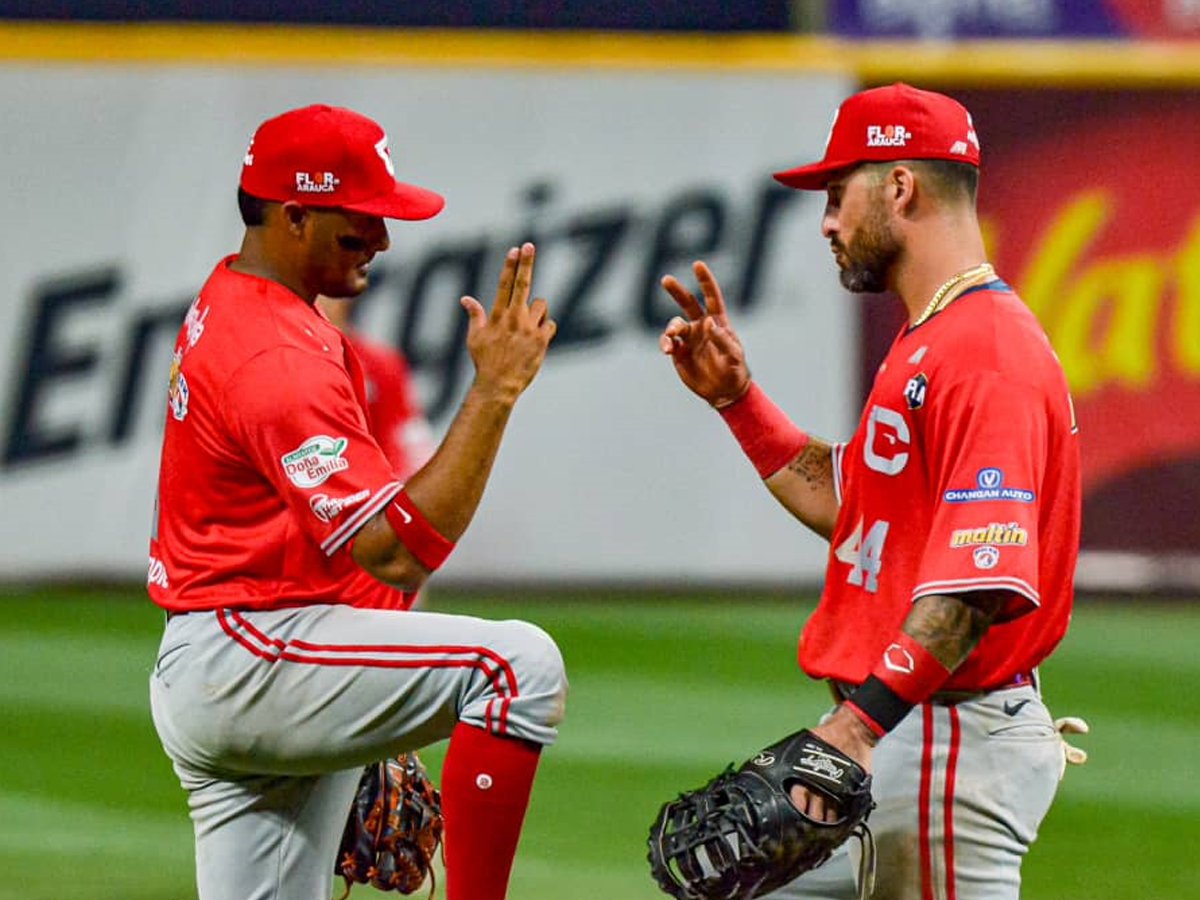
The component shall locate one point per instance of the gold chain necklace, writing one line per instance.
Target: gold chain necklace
(940, 298)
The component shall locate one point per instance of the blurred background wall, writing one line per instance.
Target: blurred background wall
(626, 140)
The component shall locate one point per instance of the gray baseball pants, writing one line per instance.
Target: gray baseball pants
(269, 717)
(960, 793)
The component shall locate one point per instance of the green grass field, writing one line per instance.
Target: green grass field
(663, 693)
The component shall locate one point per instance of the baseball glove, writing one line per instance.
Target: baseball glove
(740, 836)
(395, 827)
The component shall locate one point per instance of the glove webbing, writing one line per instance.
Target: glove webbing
(376, 821)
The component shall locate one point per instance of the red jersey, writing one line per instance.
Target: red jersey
(963, 475)
(268, 465)
(397, 420)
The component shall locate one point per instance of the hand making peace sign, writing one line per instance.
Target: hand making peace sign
(707, 354)
(508, 344)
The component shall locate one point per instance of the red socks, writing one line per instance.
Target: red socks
(486, 782)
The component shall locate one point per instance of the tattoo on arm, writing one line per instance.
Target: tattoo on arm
(950, 626)
(814, 464)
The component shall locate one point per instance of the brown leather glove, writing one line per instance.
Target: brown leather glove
(394, 828)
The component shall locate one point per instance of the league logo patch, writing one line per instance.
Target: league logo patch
(986, 557)
(315, 460)
(914, 391)
(989, 485)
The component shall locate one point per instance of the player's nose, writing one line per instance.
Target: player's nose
(829, 223)
(381, 239)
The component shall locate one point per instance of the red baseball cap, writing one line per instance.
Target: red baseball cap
(894, 122)
(331, 156)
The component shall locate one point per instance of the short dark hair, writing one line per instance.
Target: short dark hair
(948, 179)
(951, 178)
(252, 208)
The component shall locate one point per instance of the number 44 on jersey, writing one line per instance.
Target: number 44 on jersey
(864, 555)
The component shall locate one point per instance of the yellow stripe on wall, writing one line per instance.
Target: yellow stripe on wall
(1062, 63)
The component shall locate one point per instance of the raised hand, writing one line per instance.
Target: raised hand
(508, 344)
(706, 352)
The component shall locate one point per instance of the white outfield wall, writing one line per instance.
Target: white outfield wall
(121, 183)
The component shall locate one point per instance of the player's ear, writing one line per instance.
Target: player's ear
(900, 189)
(294, 214)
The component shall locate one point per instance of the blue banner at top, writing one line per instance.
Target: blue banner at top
(659, 15)
(945, 19)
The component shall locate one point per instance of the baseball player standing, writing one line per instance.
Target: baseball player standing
(952, 513)
(286, 551)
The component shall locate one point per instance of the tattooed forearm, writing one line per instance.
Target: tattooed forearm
(814, 464)
(805, 487)
(949, 627)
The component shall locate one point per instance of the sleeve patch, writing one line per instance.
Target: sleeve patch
(315, 460)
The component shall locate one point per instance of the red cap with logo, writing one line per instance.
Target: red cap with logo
(331, 156)
(894, 122)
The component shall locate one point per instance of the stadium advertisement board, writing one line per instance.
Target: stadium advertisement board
(1137, 19)
(124, 177)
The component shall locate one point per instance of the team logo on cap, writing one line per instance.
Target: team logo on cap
(381, 148)
(887, 135)
(316, 182)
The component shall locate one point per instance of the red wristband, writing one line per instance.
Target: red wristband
(766, 435)
(910, 670)
(414, 531)
(907, 674)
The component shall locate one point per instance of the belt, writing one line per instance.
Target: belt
(843, 689)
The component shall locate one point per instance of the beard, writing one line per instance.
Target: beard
(870, 255)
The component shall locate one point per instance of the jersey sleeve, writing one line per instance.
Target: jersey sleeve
(296, 417)
(985, 446)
